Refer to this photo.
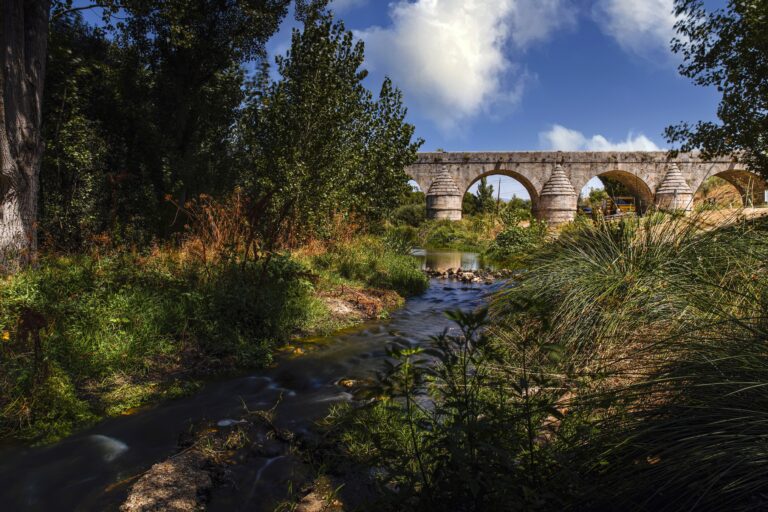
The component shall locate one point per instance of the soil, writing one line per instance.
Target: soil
(348, 305)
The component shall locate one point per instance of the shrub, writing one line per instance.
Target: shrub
(457, 235)
(515, 240)
(124, 321)
(401, 239)
(370, 261)
(412, 215)
(455, 430)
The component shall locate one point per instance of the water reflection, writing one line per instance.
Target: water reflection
(443, 260)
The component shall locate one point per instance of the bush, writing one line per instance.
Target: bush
(457, 235)
(123, 321)
(412, 215)
(516, 241)
(401, 239)
(453, 429)
(370, 261)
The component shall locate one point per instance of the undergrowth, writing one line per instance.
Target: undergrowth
(85, 336)
(88, 336)
(625, 370)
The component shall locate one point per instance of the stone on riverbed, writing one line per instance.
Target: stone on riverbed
(174, 485)
(479, 276)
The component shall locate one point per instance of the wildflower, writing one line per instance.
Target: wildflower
(6, 336)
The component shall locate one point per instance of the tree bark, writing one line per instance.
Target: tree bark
(24, 45)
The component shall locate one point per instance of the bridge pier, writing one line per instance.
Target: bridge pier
(558, 200)
(674, 194)
(444, 199)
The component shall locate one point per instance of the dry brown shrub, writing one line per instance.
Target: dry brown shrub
(217, 229)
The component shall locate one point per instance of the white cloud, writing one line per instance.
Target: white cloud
(642, 27)
(533, 21)
(341, 5)
(450, 57)
(560, 138)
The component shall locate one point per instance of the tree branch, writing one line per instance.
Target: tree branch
(58, 14)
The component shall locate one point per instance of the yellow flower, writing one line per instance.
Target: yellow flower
(6, 336)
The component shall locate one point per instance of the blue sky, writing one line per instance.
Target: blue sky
(527, 74)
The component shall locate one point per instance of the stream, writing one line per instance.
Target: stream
(78, 472)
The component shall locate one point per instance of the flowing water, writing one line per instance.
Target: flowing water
(78, 472)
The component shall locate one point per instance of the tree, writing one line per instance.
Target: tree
(196, 51)
(484, 197)
(597, 196)
(316, 142)
(727, 48)
(468, 204)
(23, 41)
(160, 98)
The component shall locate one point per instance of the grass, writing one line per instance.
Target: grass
(663, 326)
(114, 330)
(88, 336)
(370, 261)
(473, 233)
(626, 370)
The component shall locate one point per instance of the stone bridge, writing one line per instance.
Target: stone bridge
(554, 179)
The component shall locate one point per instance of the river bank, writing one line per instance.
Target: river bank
(80, 471)
(626, 369)
(90, 336)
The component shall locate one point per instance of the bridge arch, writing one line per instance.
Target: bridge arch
(750, 186)
(415, 186)
(628, 183)
(421, 181)
(525, 182)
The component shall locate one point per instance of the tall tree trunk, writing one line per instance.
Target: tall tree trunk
(23, 43)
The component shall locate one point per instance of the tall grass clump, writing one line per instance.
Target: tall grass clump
(627, 369)
(375, 262)
(663, 329)
(605, 284)
(695, 436)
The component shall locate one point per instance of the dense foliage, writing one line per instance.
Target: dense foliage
(317, 143)
(161, 106)
(144, 109)
(91, 335)
(726, 48)
(625, 370)
(121, 328)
